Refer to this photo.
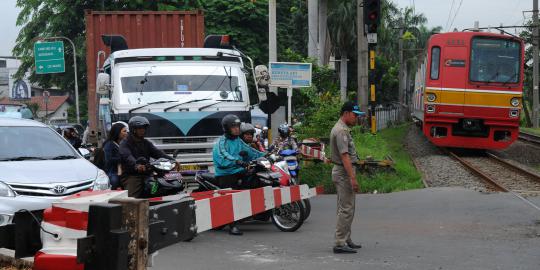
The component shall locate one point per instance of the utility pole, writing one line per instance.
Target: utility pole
(323, 15)
(278, 117)
(401, 71)
(536, 44)
(362, 72)
(313, 25)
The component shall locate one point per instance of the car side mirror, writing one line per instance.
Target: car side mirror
(103, 83)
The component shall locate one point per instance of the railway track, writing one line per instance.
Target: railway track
(528, 137)
(500, 175)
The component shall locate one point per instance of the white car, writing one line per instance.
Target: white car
(38, 167)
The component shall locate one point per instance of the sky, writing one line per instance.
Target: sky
(486, 12)
(438, 12)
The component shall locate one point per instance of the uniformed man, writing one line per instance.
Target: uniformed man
(344, 176)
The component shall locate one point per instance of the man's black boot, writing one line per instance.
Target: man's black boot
(343, 249)
(353, 245)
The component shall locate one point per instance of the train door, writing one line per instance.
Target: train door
(454, 78)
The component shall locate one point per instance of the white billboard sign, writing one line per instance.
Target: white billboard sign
(290, 75)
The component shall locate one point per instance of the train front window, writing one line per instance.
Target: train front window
(495, 60)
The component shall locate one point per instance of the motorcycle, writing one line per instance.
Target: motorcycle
(287, 218)
(287, 161)
(163, 179)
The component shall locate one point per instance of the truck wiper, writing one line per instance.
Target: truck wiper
(218, 101)
(21, 158)
(150, 103)
(64, 157)
(191, 101)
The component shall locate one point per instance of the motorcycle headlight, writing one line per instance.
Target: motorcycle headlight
(514, 102)
(431, 97)
(166, 166)
(102, 181)
(6, 191)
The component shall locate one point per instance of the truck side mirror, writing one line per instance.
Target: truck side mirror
(102, 83)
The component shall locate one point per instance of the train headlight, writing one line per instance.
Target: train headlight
(514, 102)
(431, 97)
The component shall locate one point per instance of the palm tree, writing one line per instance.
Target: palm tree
(342, 33)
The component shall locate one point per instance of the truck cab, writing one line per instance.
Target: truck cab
(184, 93)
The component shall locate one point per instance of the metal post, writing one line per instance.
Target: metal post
(75, 69)
(401, 83)
(323, 15)
(289, 105)
(277, 117)
(535, 64)
(362, 72)
(313, 25)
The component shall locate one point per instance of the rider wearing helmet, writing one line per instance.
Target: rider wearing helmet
(231, 156)
(70, 134)
(284, 141)
(135, 147)
(247, 133)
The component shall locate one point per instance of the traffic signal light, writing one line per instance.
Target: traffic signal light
(372, 12)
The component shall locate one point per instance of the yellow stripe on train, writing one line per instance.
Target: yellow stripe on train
(470, 97)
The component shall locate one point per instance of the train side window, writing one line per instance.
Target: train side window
(435, 60)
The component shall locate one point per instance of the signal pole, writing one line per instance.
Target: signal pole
(536, 45)
(372, 10)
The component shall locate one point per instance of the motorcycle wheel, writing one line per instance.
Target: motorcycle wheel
(307, 207)
(289, 217)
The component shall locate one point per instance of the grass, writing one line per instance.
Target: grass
(386, 142)
(535, 131)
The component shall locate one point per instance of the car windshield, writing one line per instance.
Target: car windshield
(180, 83)
(495, 60)
(32, 143)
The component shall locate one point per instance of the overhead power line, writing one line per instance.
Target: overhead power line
(455, 15)
(449, 15)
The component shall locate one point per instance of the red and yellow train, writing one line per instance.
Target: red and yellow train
(468, 90)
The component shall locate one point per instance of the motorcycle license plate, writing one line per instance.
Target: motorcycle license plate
(173, 176)
(190, 167)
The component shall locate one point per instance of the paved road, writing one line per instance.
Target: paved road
(442, 228)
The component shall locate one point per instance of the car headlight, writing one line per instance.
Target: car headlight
(514, 102)
(6, 191)
(102, 181)
(431, 97)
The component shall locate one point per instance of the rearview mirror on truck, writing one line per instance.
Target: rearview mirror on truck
(102, 83)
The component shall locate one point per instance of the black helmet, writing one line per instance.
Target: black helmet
(138, 122)
(247, 128)
(284, 130)
(229, 121)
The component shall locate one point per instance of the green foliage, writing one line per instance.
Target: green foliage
(320, 120)
(386, 142)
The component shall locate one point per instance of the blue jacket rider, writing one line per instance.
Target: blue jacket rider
(226, 152)
(230, 166)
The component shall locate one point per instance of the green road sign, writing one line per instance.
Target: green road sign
(49, 57)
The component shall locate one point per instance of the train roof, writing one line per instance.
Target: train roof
(469, 34)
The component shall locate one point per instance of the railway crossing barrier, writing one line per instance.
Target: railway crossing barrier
(107, 230)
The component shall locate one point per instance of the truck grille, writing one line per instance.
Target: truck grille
(184, 140)
(186, 151)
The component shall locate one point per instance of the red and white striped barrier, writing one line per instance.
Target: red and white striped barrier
(220, 207)
(69, 220)
(313, 153)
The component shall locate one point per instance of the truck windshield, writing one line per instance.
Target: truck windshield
(495, 60)
(141, 85)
